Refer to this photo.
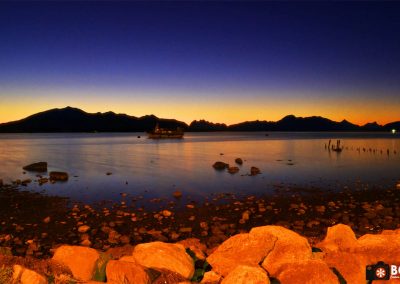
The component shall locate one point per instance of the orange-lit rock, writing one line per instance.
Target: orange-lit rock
(380, 247)
(126, 272)
(242, 249)
(349, 265)
(211, 277)
(23, 275)
(243, 274)
(80, 260)
(161, 255)
(306, 272)
(339, 237)
(194, 245)
(289, 247)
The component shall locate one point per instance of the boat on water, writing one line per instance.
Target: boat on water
(161, 133)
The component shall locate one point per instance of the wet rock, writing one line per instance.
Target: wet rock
(288, 247)
(254, 171)
(306, 271)
(126, 272)
(161, 255)
(80, 260)
(211, 277)
(36, 167)
(220, 165)
(83, 228)
(233, 170)
(242, 249)
(239, 161)
(58, 176)
(339, 237)
(243, 274)
(23, 275)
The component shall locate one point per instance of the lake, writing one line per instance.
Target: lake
(156, 168)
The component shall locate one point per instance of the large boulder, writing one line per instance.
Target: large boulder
(339, 237)
(288, 247)
(242, 249)
(243, 274)
(23, 275)
(351, 266)
(36, 167)
(161, 255)
(58, 176)
(80, 260)
(381, 247)
(306, 272)
(126, 272)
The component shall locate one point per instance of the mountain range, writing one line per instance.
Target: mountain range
(70, 119)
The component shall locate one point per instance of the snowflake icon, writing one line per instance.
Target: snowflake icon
(380, 272)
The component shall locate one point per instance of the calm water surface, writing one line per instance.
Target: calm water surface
(156, 168)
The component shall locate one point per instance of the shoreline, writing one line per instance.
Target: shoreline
(33, 224)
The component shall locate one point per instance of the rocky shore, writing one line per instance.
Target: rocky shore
(267, 254)
(33, 226)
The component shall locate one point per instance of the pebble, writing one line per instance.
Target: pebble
(177, 194)
(83, 229)
(166, 213)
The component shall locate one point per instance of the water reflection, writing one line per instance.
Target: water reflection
(157, 168)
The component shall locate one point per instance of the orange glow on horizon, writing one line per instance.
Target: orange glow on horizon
(212, 108)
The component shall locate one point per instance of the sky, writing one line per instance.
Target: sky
(221, 61)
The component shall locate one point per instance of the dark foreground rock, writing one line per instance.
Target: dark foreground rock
(58, 176)
(220, 165)
(36, 167)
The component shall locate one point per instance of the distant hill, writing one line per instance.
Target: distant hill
(75, 120)
(204, 126)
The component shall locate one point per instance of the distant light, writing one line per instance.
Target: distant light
(393, 131)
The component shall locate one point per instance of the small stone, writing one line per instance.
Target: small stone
(58, 176)
(47, 220)
(177, 194)
(86, 243)
(220, 165)
(254, 171)
(185, 230)
(239, 161)
(83, 229)
(166, 213)
(233, 170)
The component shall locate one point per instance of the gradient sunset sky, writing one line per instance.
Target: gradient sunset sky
(220, 61)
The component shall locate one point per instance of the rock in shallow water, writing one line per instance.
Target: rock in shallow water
(58, 176)
(220, 165)
(36, 167)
